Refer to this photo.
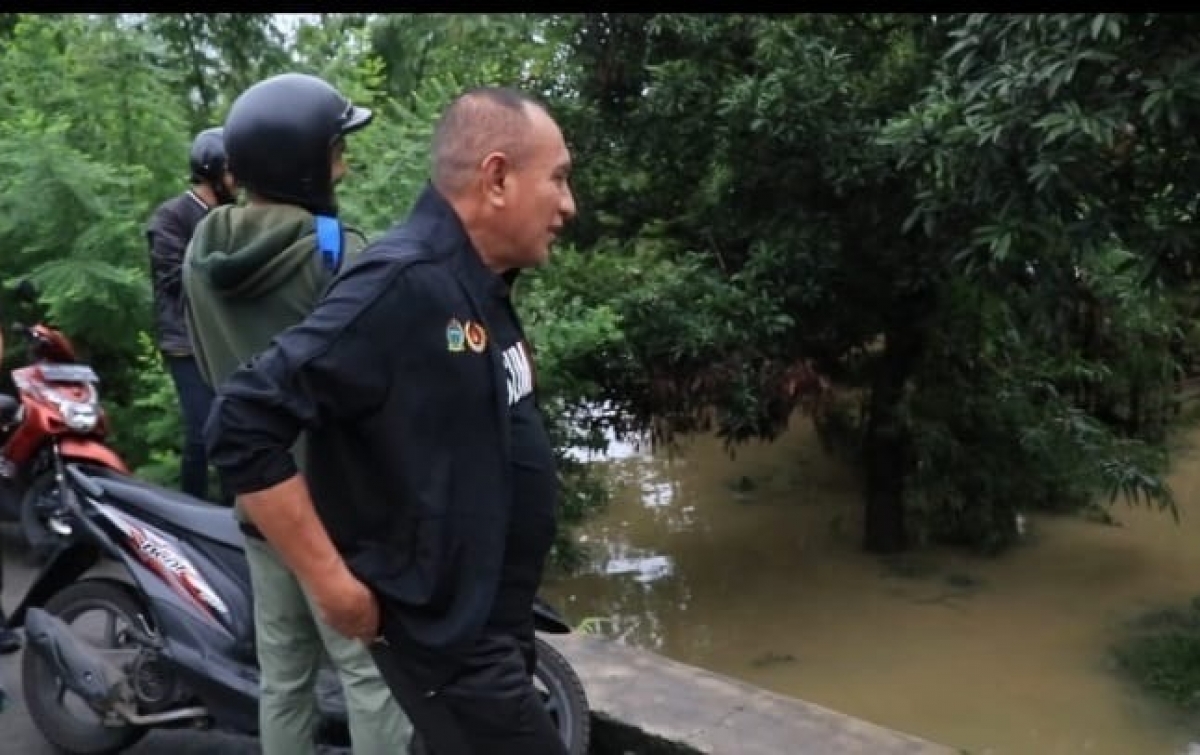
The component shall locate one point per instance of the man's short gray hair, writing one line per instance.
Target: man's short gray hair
(478, 122)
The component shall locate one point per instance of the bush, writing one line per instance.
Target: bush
(1161, 653)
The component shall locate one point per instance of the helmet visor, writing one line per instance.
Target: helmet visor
(355, 118)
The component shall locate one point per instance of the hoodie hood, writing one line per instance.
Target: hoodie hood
(244, 252)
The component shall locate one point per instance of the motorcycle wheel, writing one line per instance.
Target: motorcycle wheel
(563, 695)
(81, 733)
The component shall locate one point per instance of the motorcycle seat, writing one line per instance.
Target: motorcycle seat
(178, 510)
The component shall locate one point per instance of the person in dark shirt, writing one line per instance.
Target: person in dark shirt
(434, 488)
(168, 233)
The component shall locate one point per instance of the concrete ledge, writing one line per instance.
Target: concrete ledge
(645, 704)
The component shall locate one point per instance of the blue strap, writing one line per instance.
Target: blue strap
(329, 242)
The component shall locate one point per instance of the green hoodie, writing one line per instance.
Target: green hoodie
(249, 273)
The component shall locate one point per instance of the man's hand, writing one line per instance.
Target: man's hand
(285, 515)
(348, 606)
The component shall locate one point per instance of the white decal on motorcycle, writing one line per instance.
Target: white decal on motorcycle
(172, 566)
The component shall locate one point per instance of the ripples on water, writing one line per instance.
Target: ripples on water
(750, 566)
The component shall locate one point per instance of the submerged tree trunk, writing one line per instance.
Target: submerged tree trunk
(887, 443)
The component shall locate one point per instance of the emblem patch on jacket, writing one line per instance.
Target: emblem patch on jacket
(476, 336)
(454, 335)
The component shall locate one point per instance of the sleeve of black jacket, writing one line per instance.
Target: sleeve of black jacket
(324, 369)
(168, 236)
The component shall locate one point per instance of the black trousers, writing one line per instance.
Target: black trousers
(195, 400)
(489, 706)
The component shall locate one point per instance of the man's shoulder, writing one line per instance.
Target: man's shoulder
(399, 263)
(182, 207)
(399, 260)
(162, 210)
(411, 245)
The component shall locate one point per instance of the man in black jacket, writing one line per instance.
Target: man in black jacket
(431, 469)
(168, 233)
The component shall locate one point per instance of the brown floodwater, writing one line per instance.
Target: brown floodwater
(750, 566)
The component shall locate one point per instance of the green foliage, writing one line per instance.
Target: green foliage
(1161, 652)
(214, 56)
(84, 156)
(567, 335)
(1042, 187)
(1001, 410)
(154, 416)
(484, 48)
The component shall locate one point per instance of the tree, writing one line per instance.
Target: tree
(84, 157)
(1054, 180)
(218, 55)
(741, 147)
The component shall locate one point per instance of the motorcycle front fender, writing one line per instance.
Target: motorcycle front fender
(90, 451)
(64, 568)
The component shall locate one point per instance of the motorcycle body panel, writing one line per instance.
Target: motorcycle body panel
(11, 494)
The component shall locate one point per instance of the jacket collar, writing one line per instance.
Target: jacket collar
(434, 219)
(196, 198)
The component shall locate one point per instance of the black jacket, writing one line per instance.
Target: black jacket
(408, 457)
(168, 233)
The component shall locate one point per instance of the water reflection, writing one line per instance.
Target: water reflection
(751, 567)
(644, 568)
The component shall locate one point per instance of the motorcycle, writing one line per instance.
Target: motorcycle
(55, 417)
(178, 648)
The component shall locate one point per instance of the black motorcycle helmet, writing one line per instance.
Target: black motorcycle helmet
(207, 158)
(208, 163)
(279, 137)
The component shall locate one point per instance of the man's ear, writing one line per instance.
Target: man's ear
(494, 169)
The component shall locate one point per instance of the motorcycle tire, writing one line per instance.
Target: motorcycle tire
(63, 729)
(563, 696)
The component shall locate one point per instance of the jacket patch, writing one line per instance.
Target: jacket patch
(454, 335)
(476, 336)
(519, 370)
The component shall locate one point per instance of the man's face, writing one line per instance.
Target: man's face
(337, 165)
(229, 183)
(538, 198)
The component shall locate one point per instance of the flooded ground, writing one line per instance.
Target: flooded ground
(750, 566)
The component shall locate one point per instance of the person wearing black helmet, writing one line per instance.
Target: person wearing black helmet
(250, 272)
(168, 233)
